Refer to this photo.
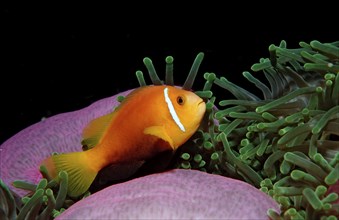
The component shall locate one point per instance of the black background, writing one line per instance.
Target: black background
(63, 58)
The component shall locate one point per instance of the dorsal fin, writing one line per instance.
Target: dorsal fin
(95, 130)
(130, 96)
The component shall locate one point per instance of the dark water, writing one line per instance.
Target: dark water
(60, 59)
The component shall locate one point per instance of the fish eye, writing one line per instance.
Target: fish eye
(180, 100)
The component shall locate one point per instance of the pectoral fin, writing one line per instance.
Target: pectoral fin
(160, 132)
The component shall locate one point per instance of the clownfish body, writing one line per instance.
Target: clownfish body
(150, 120)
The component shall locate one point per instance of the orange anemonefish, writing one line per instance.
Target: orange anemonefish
(150, 120)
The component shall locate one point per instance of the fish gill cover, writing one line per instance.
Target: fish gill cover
(286, 143)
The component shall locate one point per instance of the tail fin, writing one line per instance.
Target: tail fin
(80, 173)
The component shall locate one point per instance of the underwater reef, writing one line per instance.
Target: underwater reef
(284, 142)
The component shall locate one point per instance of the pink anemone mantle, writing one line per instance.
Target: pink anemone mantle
(175, 194)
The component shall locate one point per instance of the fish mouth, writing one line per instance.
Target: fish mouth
(202, 106)
(201, 102)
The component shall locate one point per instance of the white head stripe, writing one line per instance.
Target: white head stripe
(172, 110)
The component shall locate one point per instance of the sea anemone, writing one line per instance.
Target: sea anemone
(285, 143)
